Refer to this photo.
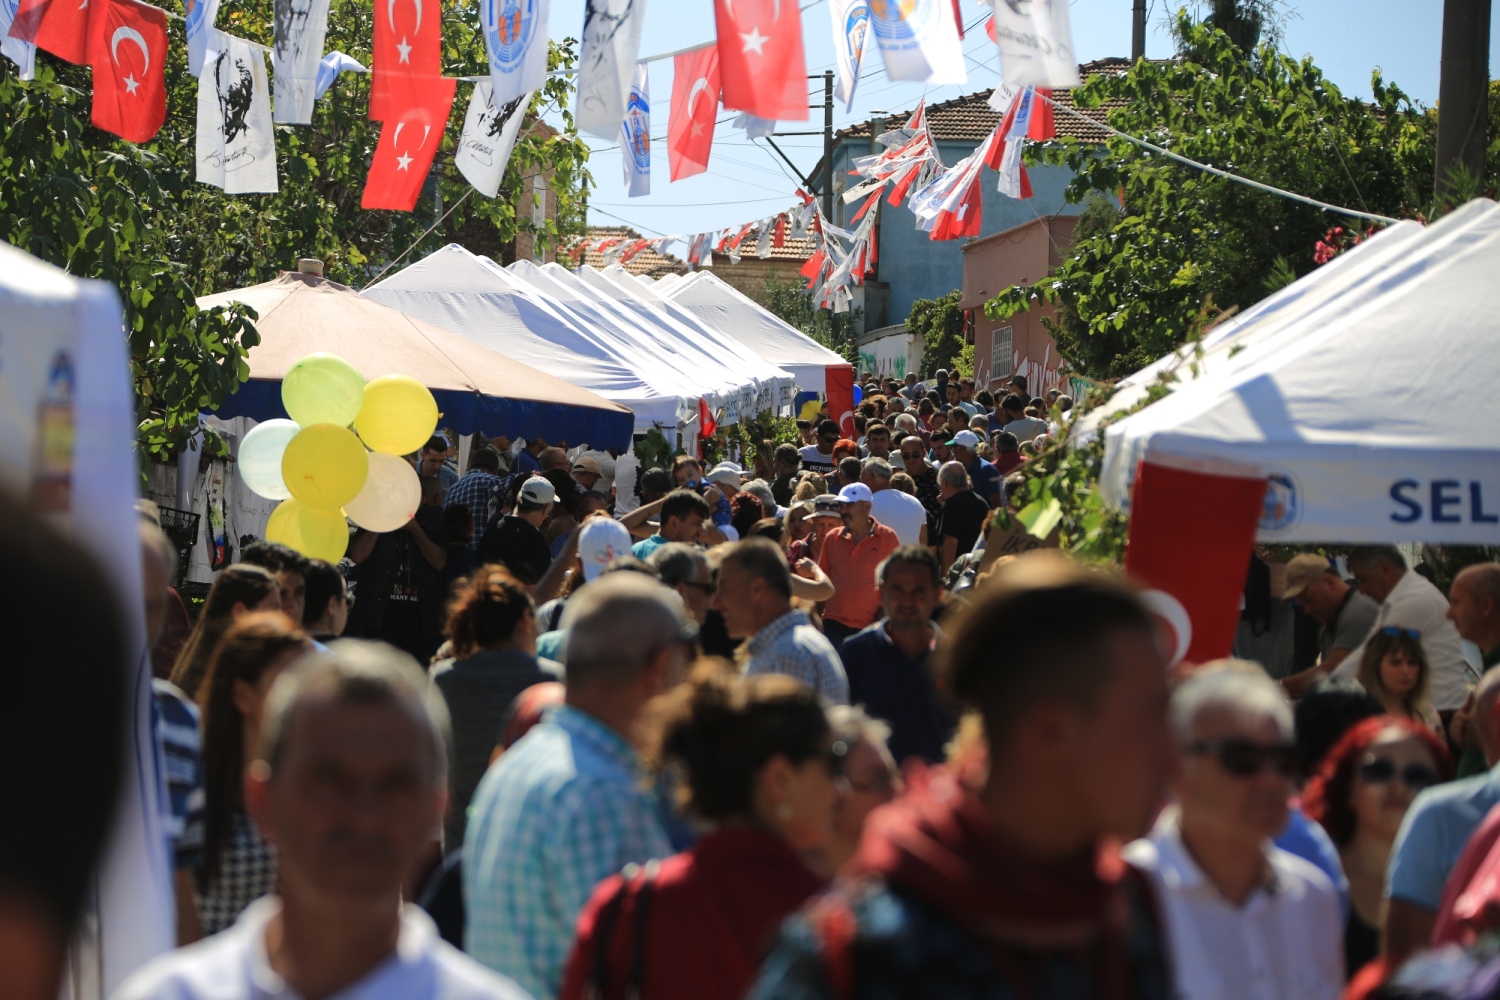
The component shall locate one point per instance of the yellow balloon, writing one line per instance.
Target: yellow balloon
(322, 389)
(325, 466)
(399, 415)
(317, 534)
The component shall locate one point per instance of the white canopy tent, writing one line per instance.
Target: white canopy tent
(726, 308)
(1320, 293)
(775, 385)
(1360, 418)
(476, 299)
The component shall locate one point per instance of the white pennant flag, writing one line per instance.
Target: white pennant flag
(489, 136)
(851, 27)
(1036, 43)
(763, 242)
(23, 54)
(606, 63)
(515, 35)
(200, 16)
(331, 66)
(635, 135)
(919, 41)
(755, 128)
(301, 26)
(236, 141)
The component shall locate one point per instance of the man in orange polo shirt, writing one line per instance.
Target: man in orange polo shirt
(850, 557)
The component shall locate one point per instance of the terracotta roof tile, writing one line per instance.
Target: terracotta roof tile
(647, 262)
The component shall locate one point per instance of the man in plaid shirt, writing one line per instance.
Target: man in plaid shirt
(476, 489)
(564, 808)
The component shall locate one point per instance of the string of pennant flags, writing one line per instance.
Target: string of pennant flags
(756, 66)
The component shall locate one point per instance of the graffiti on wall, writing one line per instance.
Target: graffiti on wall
(892, 367)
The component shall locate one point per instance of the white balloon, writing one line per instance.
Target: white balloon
(260, 457)
(390, 497)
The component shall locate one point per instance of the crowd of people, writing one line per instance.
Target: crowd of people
(582, 730)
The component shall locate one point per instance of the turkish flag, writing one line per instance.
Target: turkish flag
(706, 423)
(963, 220)
(1191, 534)
(60, 27)
(838, 386)
(128, 50)
(764, 70)
(408, 42)
(695, 102)
(409, 139)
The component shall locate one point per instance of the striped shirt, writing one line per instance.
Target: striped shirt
(563, 809)
(181, 749)
(790, 645)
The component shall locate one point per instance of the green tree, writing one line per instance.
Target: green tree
(940, 324)
(1187, 242)
(793, 304)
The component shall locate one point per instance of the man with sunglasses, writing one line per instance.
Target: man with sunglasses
(1244, 918)
(914, 460)
(818, 457)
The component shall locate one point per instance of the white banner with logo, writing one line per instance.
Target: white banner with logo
(489, 135)
(515, 35)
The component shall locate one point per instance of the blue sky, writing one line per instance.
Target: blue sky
(1347, 38)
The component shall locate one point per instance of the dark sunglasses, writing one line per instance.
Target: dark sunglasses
(1245, 759)
(1395, 630)
(911, 456)
(1382, 770)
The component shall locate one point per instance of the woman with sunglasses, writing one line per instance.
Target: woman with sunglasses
(760, 765)
(1395, 670)
(1359, 794)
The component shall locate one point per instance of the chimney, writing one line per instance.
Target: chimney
(307, 265)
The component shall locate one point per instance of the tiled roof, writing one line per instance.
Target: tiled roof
(970, 118)
(647, 262)
(798, 250)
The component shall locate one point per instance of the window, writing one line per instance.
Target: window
(1000, 352)
(538, 214)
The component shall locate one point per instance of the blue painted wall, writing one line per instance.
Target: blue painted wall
(920, 268)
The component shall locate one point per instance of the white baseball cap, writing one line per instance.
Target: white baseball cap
(538, 490)
(726, 472)
(601, 542)
(856, 493)
(965, 439)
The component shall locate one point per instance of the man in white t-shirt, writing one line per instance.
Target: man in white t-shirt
(901, 512)
(1408, 600)
(819, 457)
(350, 785)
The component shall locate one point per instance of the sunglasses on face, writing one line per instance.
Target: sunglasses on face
(1395, 630)
(1383, 770)
(911, 456)
(1245, 759)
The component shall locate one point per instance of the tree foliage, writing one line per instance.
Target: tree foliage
(793, 304)
(1129, 291)
(940, 324)
(134, 215)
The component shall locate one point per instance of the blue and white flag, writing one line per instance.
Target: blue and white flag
(611, 40)
(200, 16)
(515, 34)
(851, 26)
(919, 40)
(329, 69)
(635, 135)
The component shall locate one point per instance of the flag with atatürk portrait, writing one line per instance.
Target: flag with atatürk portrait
(301, 26)
(489, 136)
(236, 143)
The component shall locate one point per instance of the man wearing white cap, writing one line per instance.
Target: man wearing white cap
(984, 478)
(727, 476)
(516, 539)
(850, 557)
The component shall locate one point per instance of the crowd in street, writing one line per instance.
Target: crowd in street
(586, 730)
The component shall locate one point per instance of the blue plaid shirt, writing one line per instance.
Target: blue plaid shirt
(790, 645)
(562, 810)
(474, 491)
(181, 752)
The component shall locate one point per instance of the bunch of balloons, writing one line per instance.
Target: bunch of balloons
(322, 471)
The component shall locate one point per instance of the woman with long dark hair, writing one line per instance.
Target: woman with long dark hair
(1360, 793)
(239, 866)
(760, 765)
(237, 591)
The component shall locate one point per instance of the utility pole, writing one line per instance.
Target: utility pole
(1463, 90)
(1138, 31)
(828, 145)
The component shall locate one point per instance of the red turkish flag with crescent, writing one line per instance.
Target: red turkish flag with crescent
(761, 61)
(409, 139)
(838, 387)
(128, 50)
(695, 102)
(60, 27)
(1191, 534)
(408, 42)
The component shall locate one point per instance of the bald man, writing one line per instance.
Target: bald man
(1474, 606)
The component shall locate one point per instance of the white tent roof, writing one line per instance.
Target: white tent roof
(776, 385)
(474, 298)
(1326, 288)
(1375, 421)
(728, 309)
(665, 281)
(662, 353)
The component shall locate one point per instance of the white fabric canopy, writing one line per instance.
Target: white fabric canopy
(775, 385)
(726, 308)
(473, 297)
(1375, 419)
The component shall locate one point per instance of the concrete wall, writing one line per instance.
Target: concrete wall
(920, 268)
(889, 351)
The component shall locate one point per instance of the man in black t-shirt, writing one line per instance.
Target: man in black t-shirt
(963, 517)
(516, 540)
